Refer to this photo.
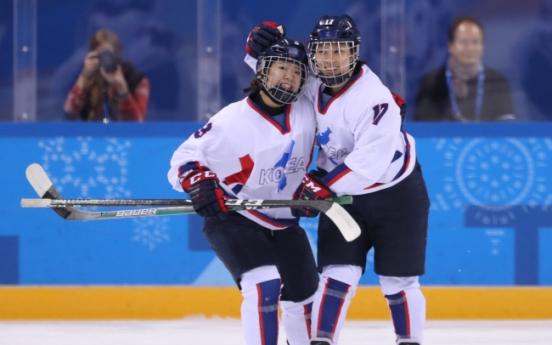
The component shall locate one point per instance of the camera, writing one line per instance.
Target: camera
(109, 61)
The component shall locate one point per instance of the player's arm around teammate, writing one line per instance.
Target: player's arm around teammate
(258, 148)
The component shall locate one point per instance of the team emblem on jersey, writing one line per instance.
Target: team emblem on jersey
(284, 166)
(324, 138)
(332, 153)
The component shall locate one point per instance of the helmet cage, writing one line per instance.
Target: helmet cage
(330, 69)
(331, 35)
(274, 78)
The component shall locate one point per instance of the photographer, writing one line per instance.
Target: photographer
(108, 87)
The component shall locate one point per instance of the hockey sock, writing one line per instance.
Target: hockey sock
(296, 318)
(336, 289)
(260, 289)
(407, 305)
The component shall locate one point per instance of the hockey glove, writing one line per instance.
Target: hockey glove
(311, 188)
(262, 37)
(207, 197)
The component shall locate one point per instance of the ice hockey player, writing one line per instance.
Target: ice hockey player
(259, 148)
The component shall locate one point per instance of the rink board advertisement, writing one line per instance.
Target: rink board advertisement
(490, 221)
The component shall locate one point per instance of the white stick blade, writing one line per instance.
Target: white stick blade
(35, 202)
(38, 179)
(342, 219)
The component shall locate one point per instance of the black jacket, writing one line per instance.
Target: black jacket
(433, 103)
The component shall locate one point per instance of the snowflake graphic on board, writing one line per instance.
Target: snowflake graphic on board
(87, 167)
(151, 232)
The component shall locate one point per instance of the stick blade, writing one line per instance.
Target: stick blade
(342, 219)
(38, 179)
(45, 189)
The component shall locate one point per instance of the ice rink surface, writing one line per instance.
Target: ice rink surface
(213, 331)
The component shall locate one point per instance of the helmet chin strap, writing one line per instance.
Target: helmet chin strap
(281, 96)
(336, 80)
(265, 92)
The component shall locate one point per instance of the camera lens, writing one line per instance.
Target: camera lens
(108, 60)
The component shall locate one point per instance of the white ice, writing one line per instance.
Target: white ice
(216, 331)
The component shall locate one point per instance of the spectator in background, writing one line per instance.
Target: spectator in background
(108, 87)
(169, 59)
(463, 89)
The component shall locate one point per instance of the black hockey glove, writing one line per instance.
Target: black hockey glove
(207, 197)
(311, 188)
(263, 36)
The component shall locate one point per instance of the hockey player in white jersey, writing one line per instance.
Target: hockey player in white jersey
(364, 153)
(259, 148)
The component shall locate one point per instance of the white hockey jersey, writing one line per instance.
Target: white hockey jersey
(359, 132)
(254, 156)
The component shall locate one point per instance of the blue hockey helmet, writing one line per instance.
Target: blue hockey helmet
(285, 83)
(333, 34)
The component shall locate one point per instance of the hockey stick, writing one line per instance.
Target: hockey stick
(235, 204)
(326, 206)
(44, 187)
